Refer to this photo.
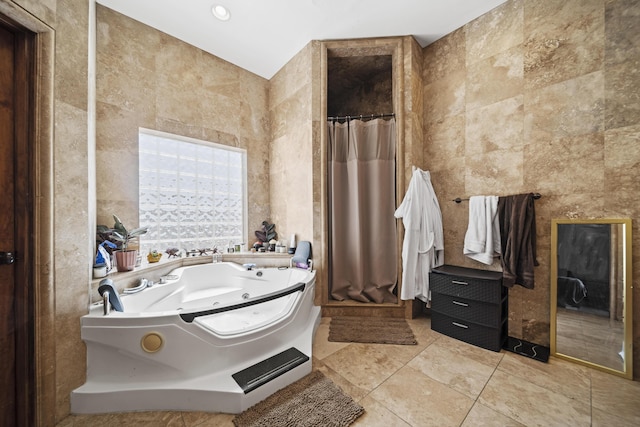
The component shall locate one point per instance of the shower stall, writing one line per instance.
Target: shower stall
(365, 90)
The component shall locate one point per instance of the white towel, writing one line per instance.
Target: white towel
(482, 240)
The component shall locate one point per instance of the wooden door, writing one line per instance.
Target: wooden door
(7, 271)
(17, 392)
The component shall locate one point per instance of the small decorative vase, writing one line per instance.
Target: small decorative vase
(126, 260)
(154, 257)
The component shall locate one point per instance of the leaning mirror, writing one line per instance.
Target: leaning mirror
(591, 293)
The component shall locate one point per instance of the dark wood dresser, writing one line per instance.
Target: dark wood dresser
(470, 305)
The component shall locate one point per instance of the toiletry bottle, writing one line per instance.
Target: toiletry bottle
(292, 244)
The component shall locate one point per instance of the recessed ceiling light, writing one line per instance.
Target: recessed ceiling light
(221, 12)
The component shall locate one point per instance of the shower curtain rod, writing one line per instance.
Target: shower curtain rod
(536, 196)
(361, 116)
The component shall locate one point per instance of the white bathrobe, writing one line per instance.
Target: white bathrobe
(423, 246)
(482, 240)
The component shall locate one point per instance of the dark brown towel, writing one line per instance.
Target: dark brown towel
(518, 239)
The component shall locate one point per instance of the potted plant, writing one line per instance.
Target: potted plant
(125, 258)
(267, 234)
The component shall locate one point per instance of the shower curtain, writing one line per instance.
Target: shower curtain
(363, 252)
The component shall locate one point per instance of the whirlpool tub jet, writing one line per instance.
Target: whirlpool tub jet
(217, 338)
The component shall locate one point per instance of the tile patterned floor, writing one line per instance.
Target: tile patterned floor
(442, 382)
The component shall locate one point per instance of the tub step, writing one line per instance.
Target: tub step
(262, 372)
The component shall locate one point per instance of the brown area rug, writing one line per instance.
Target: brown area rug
(377, 330)
(311, 401)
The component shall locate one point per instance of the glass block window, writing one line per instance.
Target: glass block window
(192, 193)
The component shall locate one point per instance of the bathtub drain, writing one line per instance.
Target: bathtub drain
(245, 296)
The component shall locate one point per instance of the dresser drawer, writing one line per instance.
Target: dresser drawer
(479, 312)
(471, 288)
(469, 332)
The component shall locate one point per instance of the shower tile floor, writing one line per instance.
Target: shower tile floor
(442, 382)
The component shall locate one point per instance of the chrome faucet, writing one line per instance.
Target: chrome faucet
(106, 305)
(110, 297)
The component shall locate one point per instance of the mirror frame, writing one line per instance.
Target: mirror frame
(627, 370)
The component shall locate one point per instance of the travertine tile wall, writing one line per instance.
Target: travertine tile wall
(413, 107)
(413, 140)
(538, 96)
(146, 78)
(71, 199)
(291, 149)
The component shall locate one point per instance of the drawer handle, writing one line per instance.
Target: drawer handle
(457, 282)
(460, 325)
(463, 304)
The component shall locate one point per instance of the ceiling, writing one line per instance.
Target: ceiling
(263, 35)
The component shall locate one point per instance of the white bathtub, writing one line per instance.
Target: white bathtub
(216, 338)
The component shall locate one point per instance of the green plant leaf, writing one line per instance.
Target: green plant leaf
(119, 226)
(121, 234)
(119, 237)
(138, 232)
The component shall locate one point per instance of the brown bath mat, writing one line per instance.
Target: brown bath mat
(311, 401)
(378, 330)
